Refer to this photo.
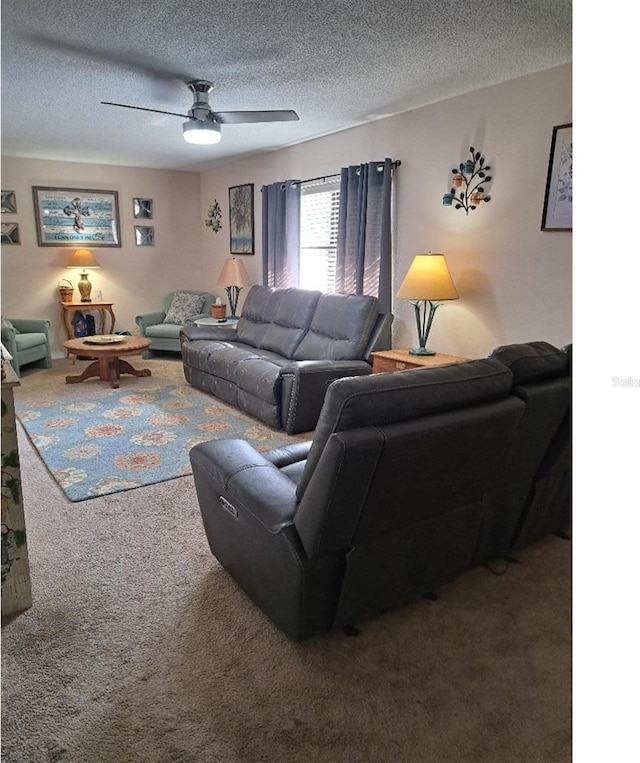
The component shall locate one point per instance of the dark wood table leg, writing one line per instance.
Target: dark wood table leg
(127, 368)
(89, 372)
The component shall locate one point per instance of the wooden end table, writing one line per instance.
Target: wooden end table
(69, 308)
(108, 366)
(401, 360)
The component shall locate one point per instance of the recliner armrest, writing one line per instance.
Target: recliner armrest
(304, 384)
(212, 333)
(248, 481)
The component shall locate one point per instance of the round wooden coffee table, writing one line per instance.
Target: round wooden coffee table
(108, 351)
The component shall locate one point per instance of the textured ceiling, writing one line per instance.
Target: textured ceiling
(337, 63)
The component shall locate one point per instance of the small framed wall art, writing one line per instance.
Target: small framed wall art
(144, 235)
(8, 203)
(143, 209)
(557, 213)
(10, 233)
(241, 219)
(72, 216)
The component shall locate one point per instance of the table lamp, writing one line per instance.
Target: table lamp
(233, 277)
(427, 281)
(83, 258)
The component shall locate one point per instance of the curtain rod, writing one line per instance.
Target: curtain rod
(394, 164)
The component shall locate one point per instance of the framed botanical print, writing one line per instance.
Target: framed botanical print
(557, 213)
(241, 219)
(72, 216)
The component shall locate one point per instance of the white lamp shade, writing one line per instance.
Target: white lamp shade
(233, 273)
(428, 278)
(201, 133)
(83, 258)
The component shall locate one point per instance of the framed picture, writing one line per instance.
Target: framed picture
(241, 219)
(8, 203)
(10, 233)
(143, 209)
(144, 235)
(72, 216)
(557, 213)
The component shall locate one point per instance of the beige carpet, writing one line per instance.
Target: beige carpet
(139, 647)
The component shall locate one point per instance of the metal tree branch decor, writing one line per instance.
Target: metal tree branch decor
(214, 217)
(470, 178)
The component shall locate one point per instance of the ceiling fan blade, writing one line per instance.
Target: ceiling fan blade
(142, 108)
(241, 117)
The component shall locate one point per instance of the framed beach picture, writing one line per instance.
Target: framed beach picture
(557, 212)
(72, 216)
(241, 219)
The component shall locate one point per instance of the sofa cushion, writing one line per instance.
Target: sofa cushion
(184, 305)
(533, 362)
(163, 331)
(379, 399)
(276, 319)
(27, 341)
(340, 329)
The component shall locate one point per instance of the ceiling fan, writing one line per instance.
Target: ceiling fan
(203, 124)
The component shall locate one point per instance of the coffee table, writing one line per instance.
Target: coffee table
(108, 352)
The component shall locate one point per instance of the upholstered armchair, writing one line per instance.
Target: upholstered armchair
(27, 341)
(383, 506)
(163, 326)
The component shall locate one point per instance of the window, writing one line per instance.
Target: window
(319, 207)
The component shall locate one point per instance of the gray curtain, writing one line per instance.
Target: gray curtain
(281, 234)
(363, 258)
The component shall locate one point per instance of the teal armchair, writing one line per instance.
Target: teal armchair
(27, 341)
(163, 326)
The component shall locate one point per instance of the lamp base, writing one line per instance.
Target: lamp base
(421, 351)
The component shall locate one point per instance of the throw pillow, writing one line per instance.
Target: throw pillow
(8, 325)
(183, 306)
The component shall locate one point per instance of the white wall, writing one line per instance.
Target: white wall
(135, 278)
(514, 280)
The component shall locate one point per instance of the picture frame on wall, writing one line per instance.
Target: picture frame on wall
(10, 233)
(557, 212)
(8, 203)
(143, 209)
(241, 225)
(144, 235)
(72, 216)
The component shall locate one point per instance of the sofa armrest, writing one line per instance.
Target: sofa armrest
(304, 384)
(234, 470)
(211, 333)
(149, 319)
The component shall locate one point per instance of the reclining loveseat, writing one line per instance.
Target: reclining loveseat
(287, 347)
(410, 479)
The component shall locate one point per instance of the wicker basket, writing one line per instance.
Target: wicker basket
(218, 311)
(66, 290)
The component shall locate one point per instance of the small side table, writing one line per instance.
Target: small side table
(402, 360)
(228, 323)
(69, 308)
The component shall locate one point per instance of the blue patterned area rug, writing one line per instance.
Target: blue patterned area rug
(97, 440)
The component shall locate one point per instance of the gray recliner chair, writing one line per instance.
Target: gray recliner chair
(384, 505)
(27, 341)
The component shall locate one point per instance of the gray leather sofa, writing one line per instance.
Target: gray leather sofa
(389, 500)
(287, 347)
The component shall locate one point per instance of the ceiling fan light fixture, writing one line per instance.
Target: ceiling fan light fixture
(201, 133)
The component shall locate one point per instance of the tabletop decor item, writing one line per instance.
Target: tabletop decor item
(470, 179)
(83, 258)
(427, 281)
(241, 219)
(66, 290)
(557, 213)
(72, 216)
(104, 339)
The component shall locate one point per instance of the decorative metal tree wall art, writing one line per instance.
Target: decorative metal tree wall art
(470, 179)
(214, 217)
